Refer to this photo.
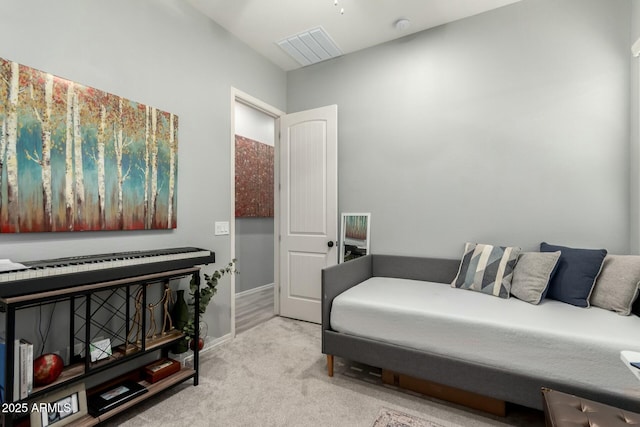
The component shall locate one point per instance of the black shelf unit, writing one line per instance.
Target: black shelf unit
(87, 304)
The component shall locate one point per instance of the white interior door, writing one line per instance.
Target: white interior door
(308, 208)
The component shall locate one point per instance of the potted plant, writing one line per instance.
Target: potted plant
(206, 293)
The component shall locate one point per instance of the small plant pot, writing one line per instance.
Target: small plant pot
(203, 333)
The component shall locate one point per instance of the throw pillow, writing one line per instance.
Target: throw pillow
(575, 275)
(487, 269)
(617, 286)
(532, 274)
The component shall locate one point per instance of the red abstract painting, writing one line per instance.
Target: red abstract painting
(254, 178)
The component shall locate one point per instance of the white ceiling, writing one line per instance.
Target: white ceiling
(261, 23)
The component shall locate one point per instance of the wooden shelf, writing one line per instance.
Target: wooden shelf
(76, 370)
(82, 314)
(69, 373)
(152, 390)
(162, 340)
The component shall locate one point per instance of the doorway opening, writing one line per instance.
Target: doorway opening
(255, 215)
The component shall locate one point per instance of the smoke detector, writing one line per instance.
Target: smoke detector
(402, 24)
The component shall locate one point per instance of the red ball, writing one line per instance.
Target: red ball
(47, 368)
(200, 344)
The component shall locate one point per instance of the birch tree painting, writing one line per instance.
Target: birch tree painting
(74, 158)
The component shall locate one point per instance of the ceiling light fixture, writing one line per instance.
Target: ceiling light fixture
(335, 3)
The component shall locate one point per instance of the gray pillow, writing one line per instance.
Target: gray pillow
(617, 286)
(531, 275)
(487, 269)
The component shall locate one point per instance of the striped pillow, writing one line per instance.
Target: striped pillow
(487, 269)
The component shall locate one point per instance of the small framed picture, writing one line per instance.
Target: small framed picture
(354, 239)
(60, 408)
(100, 349)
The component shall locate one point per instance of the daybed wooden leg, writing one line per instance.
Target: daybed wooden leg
(330, 364)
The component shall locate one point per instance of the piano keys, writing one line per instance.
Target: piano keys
(48, 275)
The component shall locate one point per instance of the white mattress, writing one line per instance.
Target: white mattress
(550, 340)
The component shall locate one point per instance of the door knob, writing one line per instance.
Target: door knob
(330, 243)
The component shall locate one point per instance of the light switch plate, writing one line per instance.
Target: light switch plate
(222, 228)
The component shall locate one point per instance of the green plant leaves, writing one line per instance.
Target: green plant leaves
(207, 292)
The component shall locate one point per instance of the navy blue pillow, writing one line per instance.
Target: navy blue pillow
(575, 275)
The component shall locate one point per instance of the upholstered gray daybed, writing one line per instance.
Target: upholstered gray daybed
(505, 349)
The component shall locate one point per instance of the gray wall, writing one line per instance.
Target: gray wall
(510, 127)
(254, 252)
(161, 53)
(634, 196)
(254, 237)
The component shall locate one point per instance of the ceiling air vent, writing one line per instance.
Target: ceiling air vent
(310, 46)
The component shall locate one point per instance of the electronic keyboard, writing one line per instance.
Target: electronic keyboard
(53, 274)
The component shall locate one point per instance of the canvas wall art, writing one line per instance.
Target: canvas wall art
(75, 158)
(254, 178)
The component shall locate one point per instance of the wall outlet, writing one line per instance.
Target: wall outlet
(222, 228)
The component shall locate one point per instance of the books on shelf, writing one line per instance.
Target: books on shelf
(22, 368)
(629, 357)
(3, 370)
(16, 370)
(26, 369)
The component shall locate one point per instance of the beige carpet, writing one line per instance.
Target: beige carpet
(275, 375)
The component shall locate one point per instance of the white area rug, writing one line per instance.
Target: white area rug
(392, 418)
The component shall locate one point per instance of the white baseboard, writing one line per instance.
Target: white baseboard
(187, 358)
(254, 290)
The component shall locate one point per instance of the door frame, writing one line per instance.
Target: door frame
(255, 103)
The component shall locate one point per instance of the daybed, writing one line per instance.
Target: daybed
(401, 314)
